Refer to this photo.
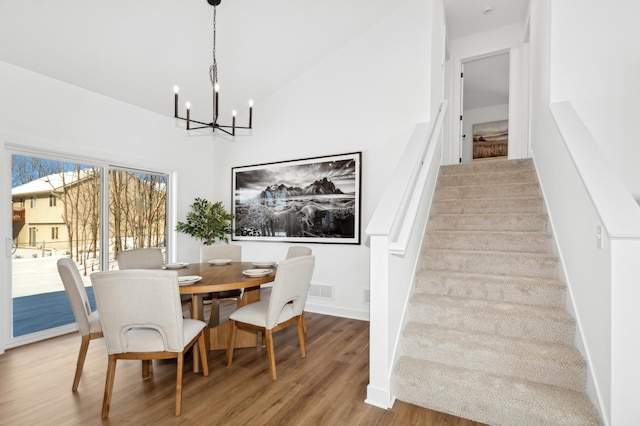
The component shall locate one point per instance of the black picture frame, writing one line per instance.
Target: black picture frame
(311, 200)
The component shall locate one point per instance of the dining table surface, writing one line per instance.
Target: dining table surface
(223, 277)
(229, 276)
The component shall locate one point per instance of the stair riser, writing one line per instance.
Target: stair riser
(473, 168)
(493, 263)
(500, 289)
(491, 205)
(481, 222)
(452, 240)
(487, 191)
(549, 330)
(501, 322)
(519, 176)
(496, 360)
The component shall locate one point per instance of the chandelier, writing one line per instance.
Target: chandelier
(213, 76)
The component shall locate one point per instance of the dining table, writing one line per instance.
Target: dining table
(216, 277)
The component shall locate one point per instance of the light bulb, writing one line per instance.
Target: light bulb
(216, 87)
(234, 112)
(176, 89)
(251, 103)
(188, 105)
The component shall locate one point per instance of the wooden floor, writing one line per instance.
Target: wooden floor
(326, 388)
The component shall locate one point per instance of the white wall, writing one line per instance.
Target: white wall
(479, 115)
(365, 96)
(37, 112)
(597, 70)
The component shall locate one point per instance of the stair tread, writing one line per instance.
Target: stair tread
(478, 167)
(461, 215)
(550, 363)
(489, 398)
(491, 184)
(506, 288)
(506, 279)
(427, 251)
(522, 349)
(550, 324)
(504, 308)
(523, 234)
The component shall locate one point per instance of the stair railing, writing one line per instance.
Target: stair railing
(395, 234)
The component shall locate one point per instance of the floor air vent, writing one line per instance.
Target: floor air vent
(323, 291)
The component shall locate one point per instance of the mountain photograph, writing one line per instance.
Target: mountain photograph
(313, 200)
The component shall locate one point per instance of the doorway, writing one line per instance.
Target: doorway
(484, 102)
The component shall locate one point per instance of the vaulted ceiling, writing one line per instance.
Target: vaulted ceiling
(136, 51)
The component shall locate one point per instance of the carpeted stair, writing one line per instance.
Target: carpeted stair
(488, 337)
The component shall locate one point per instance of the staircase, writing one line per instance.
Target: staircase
(488, 337)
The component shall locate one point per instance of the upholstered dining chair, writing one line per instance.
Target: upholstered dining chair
(296, 251)
(146, 258)
(88, 322)
(284, 308)
(293, 251)
(232, 252)
(141, 319)
(142, 258)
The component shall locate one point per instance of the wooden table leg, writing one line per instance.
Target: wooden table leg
(197, 310)
(219, 335)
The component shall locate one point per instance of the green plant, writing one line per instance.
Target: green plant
(207, 222)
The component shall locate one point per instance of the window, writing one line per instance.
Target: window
(32, 202)
(54, 233)
(137, 210)
(52, 200)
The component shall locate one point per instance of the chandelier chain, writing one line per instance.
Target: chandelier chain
(213, 68)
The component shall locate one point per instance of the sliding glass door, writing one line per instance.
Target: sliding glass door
(57, 212)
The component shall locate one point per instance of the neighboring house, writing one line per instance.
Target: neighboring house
(39, 212)
(61, 211)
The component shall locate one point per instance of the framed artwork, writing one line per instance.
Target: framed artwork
(490, 139)
(314, 200)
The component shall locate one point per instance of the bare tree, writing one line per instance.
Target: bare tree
(24, 169)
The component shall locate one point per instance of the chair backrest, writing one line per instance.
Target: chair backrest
(221, 251)
(76, 293)
(296, 251)
(291, 285)
(140, 310)
(144, 258)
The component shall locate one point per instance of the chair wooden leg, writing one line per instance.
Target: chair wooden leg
(203, 354)
(179, 383)
(231, 343)
(303, 349)
(304, 322)
(271, 353)
(108, 387)
(82, 355)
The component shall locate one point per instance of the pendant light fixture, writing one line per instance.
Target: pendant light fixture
(213, 76)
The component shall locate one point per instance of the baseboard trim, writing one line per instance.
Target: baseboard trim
(337, 312)
(378, 397)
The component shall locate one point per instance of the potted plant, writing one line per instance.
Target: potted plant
(207, 222)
